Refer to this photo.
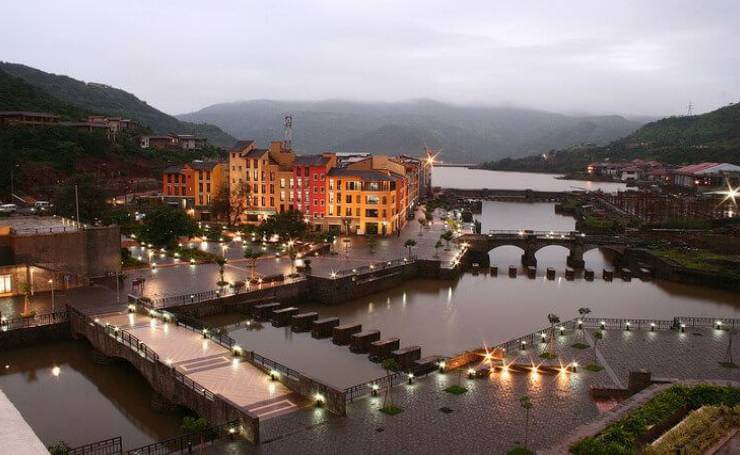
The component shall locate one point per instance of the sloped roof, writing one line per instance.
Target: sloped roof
(310, 160)
(255, 153)
(240, 145)
(695, 168)
(204, 165)
(365, 174)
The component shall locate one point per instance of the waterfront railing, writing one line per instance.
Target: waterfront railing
(112, 446)
(186, 443)
(35, 321)
(376, 266)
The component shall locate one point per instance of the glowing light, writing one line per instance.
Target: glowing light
(56, 371)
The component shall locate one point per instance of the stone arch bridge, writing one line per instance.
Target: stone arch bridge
(479, 245)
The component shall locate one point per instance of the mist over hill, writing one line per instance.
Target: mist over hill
(465, 133)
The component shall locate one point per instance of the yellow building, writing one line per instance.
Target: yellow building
(208, 179)
(264, 177)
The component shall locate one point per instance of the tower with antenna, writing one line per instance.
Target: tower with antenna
(288, 131)
(690, 110)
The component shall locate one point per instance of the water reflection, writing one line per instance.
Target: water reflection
(64, 395)
(457, 177)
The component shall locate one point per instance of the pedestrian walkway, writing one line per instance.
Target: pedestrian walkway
(209, 364)
(16, 435)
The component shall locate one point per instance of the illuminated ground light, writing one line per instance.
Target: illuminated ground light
(55, 371)
(319, 400)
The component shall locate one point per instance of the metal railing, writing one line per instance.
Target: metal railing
(211, 333)
(280, 368)
(213, 294)
(127, 339)
(376, 266)
(112, 446)
(194, 386)
(35, 321)
(186, 443)
(383, 382)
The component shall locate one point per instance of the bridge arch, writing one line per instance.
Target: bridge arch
(552, 255)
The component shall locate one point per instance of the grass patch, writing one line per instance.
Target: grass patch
(519, 451)
(548, 356)
(593, 367)
(580, 345)
(728, 365)
(727, 266)
(391, 410)
(456, 390)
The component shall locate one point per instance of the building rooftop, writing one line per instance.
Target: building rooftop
(204, 165)
(24, 225)
(240, 145)
(364, 174)
(310, 160)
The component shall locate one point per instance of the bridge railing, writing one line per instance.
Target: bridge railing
(198, 326)
(112, 446)
(186, 442)
(192, 385)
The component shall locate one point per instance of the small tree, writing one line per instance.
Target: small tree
(372, 243)
(251, 256)
(447, 236)
(59, 448)
(195, 425)
(26, 290)
(293, 254)
(526, 404)
(597, 336)
(553, 319)
(389, 365)
(410, 243)
(221, 261)
(437, 246)
(583, 311)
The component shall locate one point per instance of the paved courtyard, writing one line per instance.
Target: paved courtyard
(209, 364)
(488, 418)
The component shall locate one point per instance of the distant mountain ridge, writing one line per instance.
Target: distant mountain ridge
(710, 137)
(466, 134)
(111, 101)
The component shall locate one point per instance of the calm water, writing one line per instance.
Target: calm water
(447, 317)
(84, 402)
(464, 178)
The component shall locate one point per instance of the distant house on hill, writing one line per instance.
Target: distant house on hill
(9, 118)
(173, 141)
(706, 175)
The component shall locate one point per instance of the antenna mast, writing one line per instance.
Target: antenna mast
(690, 111)
(288, 132)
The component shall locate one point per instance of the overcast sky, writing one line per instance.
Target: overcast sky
(631, 57)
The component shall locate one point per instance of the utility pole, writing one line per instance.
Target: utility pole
(77, 206)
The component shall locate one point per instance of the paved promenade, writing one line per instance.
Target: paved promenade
(209, 364)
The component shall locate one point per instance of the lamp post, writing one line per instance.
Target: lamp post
(51, 282)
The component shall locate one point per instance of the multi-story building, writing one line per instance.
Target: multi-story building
(353, 193)
(194, 186)
(172, 141)
(310, 185)
(28, 118)
(264, 177)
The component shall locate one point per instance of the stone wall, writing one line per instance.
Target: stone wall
(31, 335)
(88, 253)
(664, 269)
(332, 291)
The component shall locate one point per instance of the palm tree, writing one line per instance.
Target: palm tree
(553, 319)
(526, 404)
(252, 256)
(389, 365)
(221, 261)
(410, 243)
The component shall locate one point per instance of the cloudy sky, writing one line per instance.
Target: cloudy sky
(586, 56)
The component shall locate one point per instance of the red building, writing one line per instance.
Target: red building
(309, 184)
(178, 181)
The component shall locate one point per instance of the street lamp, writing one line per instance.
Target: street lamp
(51, 282)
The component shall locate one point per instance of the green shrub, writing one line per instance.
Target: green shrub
(625, 432)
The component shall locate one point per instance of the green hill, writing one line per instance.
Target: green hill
(713, 137)
(112, 101)
(17, 95)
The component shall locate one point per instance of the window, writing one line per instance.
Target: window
(6, 284)
(282, 183)
(349, 199)
(372, 200)
(349, 211)
(371, 213)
